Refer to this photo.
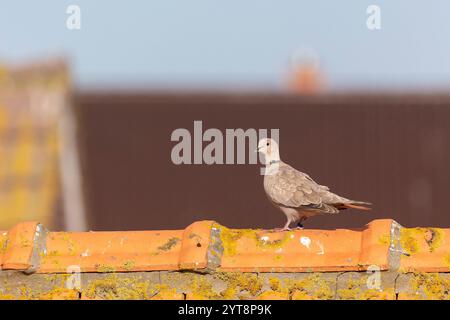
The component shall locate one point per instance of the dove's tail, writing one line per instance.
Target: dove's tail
(358, 205)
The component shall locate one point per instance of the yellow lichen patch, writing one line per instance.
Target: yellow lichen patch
(8, 297)
(356, 289)
(58, 291)
(272, 295)
(25, 293)
(408, 296)
(201, 288)
(169, 244)
(447, 260)
(229, 293)
(313, 286)
(349, 294)
(242, 285)
(128, 265)
(118, 288)
(250, 282)
(433, 285)
(275, 284)
(195, 296)
(164, 292)
(300, 295)
(230, 237)
(323, 292)
(60, 294)
(104, 268)
(373, 294)
(411, 239)
(434, 237)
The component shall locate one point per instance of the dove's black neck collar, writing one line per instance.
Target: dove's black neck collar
(273, 162)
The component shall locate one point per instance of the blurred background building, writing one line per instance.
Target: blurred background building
(85, 140)
(38, 151)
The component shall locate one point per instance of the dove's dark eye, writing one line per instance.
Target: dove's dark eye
(268, 144)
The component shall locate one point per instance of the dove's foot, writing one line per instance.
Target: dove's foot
(281, 229)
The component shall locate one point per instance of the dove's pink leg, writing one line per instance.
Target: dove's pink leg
(285, 228)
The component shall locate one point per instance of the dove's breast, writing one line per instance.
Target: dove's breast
(268, 182)
(271, 184)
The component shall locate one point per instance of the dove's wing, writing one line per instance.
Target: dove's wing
(289, 187)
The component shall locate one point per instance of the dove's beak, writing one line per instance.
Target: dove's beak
(257, 149)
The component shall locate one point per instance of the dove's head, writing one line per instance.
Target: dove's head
(269, 148)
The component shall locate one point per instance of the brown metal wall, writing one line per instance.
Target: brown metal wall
(391, 150)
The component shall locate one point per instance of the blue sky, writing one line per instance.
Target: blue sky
(207, 43)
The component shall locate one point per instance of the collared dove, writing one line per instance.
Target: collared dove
(295, 193)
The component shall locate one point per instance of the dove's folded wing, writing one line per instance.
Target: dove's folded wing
(292, 188)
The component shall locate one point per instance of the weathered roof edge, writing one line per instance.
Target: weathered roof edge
(206, 245)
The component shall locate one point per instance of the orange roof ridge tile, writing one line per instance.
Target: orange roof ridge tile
(195, 245)
(375, 244)
(306, 250)
(18, 250)
(206, 245)
(425, 250)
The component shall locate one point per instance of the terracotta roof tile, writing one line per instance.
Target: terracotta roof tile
(306, 250)
(427, 250)
(194, 247)
(112, 251)
(206, 244)
(19, 246)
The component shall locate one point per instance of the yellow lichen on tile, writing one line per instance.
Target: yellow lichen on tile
(105, 268)
(60, 294)
(314, 286)
(115, 287)
(300, 295)
(128, 265)
(275, 283)
(433, 285)
(411, 239)
(447, 260)
(272, 295)
(408, 240)
(230, 238)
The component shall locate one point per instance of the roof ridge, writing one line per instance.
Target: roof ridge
(206, 246)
